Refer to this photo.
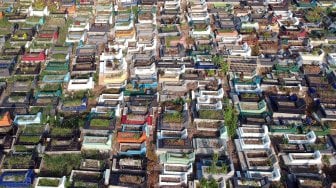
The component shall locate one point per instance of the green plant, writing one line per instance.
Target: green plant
(58, 56)
(212, 183)
(21, 148)
(179, 101)
(61, 165)
(211, 72)
(219, 61)
(326, 160)
(285, 141)
(256, 50)
(137, 136)
(58, 131)
(175, 117)
(33, 130)
(50, 87)
(33, 19)
(96, 77)
(100, 122)
(39, 4)
(64, 30)
(52, 6)
(72, 122)
(214, 169)
(4, 23)
(230, 120)
(15, 177)
(35, 110)
(94, 154)
(168, 28)
(29, 139)
(211, 114)
(48, 182)
(314, 15)
(169, 39)
(72, 102)
(18, 160)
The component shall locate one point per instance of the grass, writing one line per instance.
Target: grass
(17, 98)
(169, 39)
(5, 32)
(50, 87)
(48, 182)
(100, 122)
(39, 4)
(4, 23)
(204, 47)
(175, 117)
(91, 153)
(63, 31)
(35, 110)
(52, 6)
(60, 48)
(14, 177)
(29, 139)
(33, 19)
(58, 131)
(72, 102)
(22, 148)
(58, 56)
(249, 95)
(34, 130)
(168, 28)
(61, 165)
(211, 114)
(20, 160)
(85, 184)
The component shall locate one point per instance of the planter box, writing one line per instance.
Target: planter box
(17, 178)
(41, 184)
